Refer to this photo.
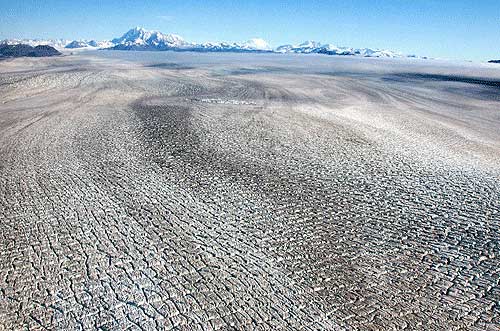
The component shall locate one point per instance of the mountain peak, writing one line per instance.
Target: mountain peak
(140, 37)
(257, 44)
(136, 29)
(310, 44)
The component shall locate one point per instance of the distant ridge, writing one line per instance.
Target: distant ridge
(140, 39)
(494, 61)
(21, 50)
(75, 44)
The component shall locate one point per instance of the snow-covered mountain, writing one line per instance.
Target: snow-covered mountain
(142, 39)
(139, 38)
(56, 43)
(305, 47)
(253, 45)
(256, 44)
(75, 44)
(60, 43)
(308, 47)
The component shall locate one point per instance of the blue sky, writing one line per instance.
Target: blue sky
(456, 29)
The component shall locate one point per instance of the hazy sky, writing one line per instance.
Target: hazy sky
(456, 29)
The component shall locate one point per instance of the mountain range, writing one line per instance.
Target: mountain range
(19, 50)
(141, 39)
